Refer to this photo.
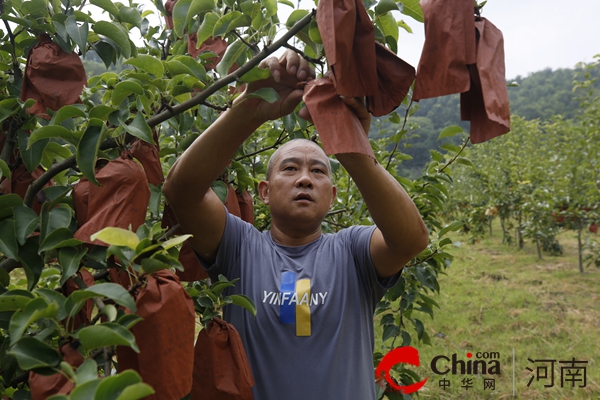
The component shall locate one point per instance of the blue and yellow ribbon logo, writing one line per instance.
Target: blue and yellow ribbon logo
(295, 303)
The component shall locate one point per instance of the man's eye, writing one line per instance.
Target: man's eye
(289, 168)
(319, 171)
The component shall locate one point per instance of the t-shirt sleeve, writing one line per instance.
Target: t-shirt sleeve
(360, 237)
(228, 255)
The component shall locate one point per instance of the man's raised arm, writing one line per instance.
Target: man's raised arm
(401, 233)
(187, 187)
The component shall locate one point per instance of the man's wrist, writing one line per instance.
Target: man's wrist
(242, 110)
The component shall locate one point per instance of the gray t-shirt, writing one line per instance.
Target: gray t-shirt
(312, 337)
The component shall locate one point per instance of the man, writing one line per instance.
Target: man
(312, 337)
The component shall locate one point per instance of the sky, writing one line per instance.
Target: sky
(538, 34)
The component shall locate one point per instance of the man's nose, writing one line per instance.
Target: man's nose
(304, 180)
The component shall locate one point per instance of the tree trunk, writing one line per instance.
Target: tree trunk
(539, 250)
(580, 247)
(519, 234)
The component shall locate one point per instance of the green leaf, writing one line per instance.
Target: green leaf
(267, 93)
(244, 301)
(413, 9)
(150, 64)
(196, 68)
(117, 237)
(419, 327)
(88, 371)
(233, 52)
(389, 332)
(450, 131)
(454, 226)
(8, 239)
(69, 259)
(450, 147)
(86, 391)
(58, 238)
(220, 189)
(150, 265)
(255, 74)
(131, 16)
(270, 6)
(7, 202)
(55, 218)
(31, 261)
(4, 170)
(385, 6)
(387, 23)
(65, 112)
(313, 32)
(185, 10)
(111, 290)
(207, 27)
(55, 152)
(404, 26)
(51, 131)
(107, 5)
(101, 111)
(129, 320)
(136, 391)
(127, 385)
(139, 128)
(107, 334)
(112, 32)
(31, 156)
(15, 299)
(8, 107)
(465, 161)
(32, 353)
(294, 17)
(124, 89)
(87, 150)
(167, 244)
(110, 311)
(79, 34)
(34, 310)
(53, 296)
(287, 3)
(222, 27)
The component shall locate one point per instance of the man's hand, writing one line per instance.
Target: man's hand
(288, 73)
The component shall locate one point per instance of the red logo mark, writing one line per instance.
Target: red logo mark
(407, 355)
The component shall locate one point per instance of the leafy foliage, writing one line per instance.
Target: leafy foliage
(151, 89)
(540, 179)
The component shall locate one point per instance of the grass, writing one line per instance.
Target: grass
(496, 298)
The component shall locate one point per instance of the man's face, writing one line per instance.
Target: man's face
(299, 191)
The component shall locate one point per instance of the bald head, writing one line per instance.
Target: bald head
(277, 154)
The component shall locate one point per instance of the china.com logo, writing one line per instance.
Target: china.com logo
(485, 364)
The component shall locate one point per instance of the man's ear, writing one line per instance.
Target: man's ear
(263, 191)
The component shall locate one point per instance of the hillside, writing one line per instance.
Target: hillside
(542, 95)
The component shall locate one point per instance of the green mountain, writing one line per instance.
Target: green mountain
(542, 95)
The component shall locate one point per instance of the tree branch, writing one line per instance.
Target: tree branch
(57, 168)
(9, 264)
(9, 143)
(398, 142)
(39, 183)
(303, 55)
(234, 76)
(274, 145)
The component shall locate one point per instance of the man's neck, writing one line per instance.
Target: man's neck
(294, 238)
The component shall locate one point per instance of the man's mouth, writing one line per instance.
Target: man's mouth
(303, 197)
